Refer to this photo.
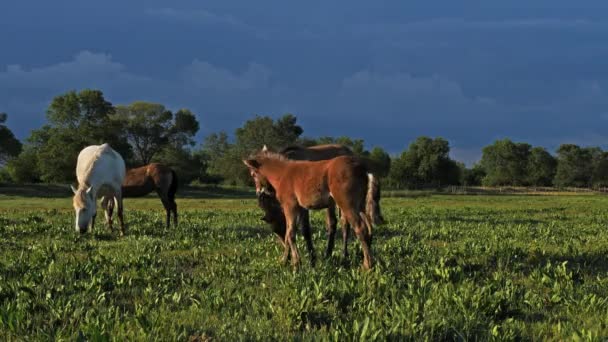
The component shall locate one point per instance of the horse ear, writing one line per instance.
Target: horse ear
(73, 189)
(265, 148)
(252, 163)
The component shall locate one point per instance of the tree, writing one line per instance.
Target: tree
(541, 167)
(150, 127)
(505, 163)
(188, 166)
(425, 163)
(225, 158)
(24, 168)
(381, 161)
(10, 146)
(146, 126)
(473, 176)
(263, 130)
(574, 166)
(184, 128)
(287, 130)
(599, 173)
(214, 151)
(76, 120)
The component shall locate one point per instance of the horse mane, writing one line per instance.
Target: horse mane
(100, 151)
(269, 155)
(79, 199)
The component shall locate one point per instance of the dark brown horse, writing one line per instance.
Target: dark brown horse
(302, 185)
(274, 216)
(143, 180)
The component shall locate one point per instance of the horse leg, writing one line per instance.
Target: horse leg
(280, 240)
(291, 216)
(119, 205)
(345, 230)
(362, 232)
(306, 231)
(174, 208)
(330, 220)
(93, 222)
(167, 207)
(107, 203)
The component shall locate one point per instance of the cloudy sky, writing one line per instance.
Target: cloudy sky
(385, 71)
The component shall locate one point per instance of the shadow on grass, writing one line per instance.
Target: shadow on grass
(212, 191)
(63, 191)
(594, 263)
(36, 190)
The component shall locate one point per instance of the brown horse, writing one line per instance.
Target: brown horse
(143, 180)
(329, 151)
(274, 216)
(317, 152)
(301, 185)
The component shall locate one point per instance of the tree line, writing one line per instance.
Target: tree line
(144, 132)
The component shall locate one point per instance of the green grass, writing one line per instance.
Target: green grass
(448, 267)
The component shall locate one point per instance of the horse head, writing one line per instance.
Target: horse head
(84, 206)
(262, 186)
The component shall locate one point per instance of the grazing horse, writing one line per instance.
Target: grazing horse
(143, 180)
(274, 216)
(100, 172)
(302, 185)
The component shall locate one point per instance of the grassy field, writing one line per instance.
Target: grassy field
(448, 267)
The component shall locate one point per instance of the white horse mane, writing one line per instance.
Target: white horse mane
(105, 148)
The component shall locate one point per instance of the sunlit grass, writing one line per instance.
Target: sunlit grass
(448, 267)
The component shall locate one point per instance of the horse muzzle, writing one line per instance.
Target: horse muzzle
(81, 229)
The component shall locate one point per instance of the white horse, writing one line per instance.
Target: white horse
(100, 172)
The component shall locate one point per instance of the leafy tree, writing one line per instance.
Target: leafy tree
(574, 166)
(150, 127)
(184, 128)
(541, 167)
(287, 130)
(599, 175)
(76, 120)
(425, 163)
(473, 176)
(10, 146)
(215, 151)
(188, 166)
(24, 168)
(306, 141)
(56, 152)
(225, 157)
(263, 130)
(505, 163)
(381, 161)
(147, 126)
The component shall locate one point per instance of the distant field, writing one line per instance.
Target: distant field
(448, 267)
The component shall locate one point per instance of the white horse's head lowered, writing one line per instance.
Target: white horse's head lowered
(85, 207)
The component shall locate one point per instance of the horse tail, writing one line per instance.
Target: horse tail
(372, 200)
(367, 221)
(173, 186)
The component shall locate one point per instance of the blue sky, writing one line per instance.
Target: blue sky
(384, 71)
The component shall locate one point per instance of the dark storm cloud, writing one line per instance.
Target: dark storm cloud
(471, 72)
